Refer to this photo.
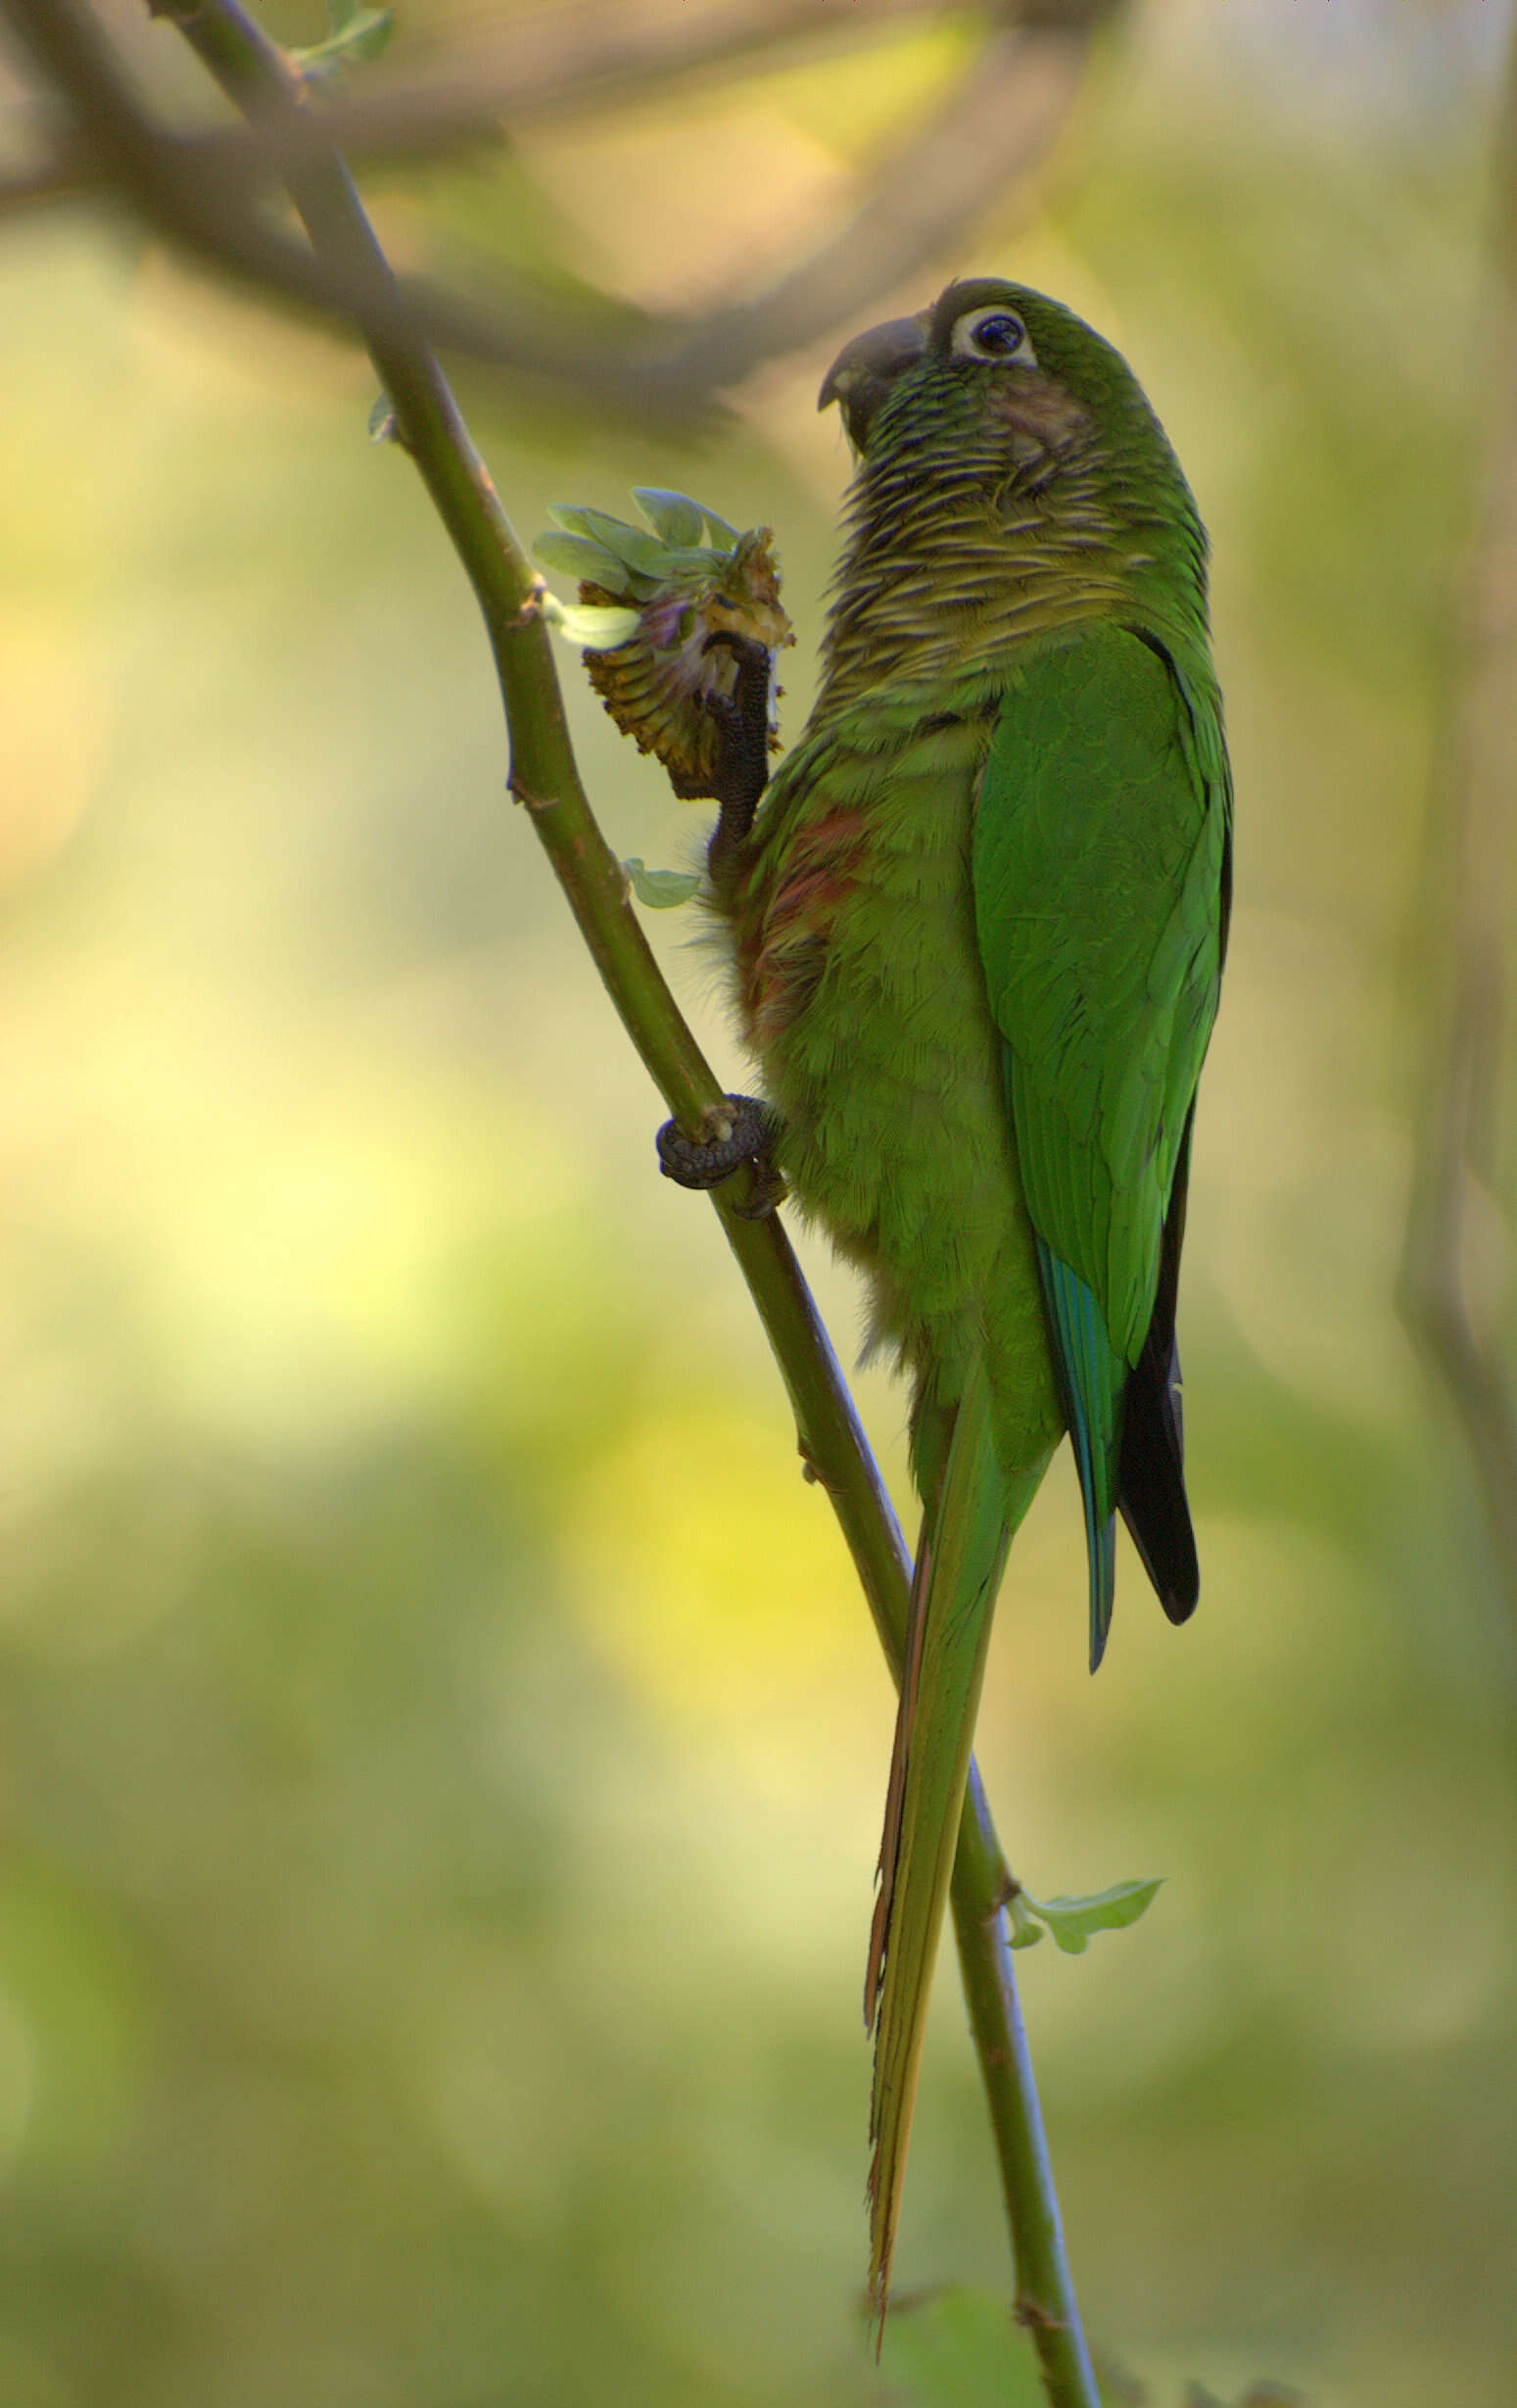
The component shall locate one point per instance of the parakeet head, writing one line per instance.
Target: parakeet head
(1026, 358)
(1012, 480)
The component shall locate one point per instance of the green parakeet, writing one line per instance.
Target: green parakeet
(978, 925)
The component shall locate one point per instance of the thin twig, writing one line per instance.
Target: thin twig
(1467, 889)
(544, 778)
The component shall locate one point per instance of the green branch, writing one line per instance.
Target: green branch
(544, 778)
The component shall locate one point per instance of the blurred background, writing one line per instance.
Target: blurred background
(441, 1746)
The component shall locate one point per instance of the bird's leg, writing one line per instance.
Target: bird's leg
(743, 756)
(741, 1129)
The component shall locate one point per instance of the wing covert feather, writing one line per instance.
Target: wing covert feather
(1098, 844)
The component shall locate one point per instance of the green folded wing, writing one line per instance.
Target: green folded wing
(1099, 852)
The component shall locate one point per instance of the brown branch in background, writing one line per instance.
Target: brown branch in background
(998, 121)
(198, 190)
(581, 57)
(218, 226)
(395, 126)
(550, 61)
(1468, 889)
(58, 178)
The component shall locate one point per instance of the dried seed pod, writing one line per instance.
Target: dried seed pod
(657, 683)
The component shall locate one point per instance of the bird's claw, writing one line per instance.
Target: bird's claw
(739, 1129)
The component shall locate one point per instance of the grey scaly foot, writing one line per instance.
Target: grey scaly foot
(739, 1129)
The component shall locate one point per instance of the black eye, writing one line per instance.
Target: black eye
(998, 337)
(993, 334)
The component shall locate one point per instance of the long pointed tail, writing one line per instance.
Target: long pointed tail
(967, 1529)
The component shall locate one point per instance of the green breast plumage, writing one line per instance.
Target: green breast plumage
(882, 1059)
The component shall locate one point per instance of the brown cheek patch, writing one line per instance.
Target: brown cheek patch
(1036, 413)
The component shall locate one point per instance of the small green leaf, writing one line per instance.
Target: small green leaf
(724, 536)
(370, 33)
(660, 889)
(1025, 1933)
(697, 562)
(674, 517)
(574, 556)
(381, 421)
(358, 36)
(1073, 1920)
(628, 544)
(642, 588)
(959, 2349)
(593, 626)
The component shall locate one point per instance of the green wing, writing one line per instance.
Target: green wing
(1098, 871)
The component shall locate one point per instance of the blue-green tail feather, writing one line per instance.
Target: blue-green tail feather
(1093, 1376)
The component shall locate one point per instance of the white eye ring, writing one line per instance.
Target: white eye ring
(1008, 345)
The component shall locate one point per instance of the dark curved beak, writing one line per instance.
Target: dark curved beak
(865, 369)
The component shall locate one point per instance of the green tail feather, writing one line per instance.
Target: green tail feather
(970, 1518)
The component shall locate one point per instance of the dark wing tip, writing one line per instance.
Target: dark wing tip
(1175, 1575)
(1151, 1486)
